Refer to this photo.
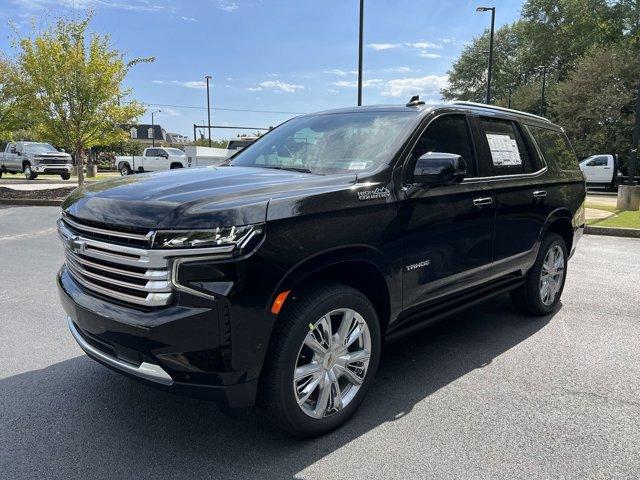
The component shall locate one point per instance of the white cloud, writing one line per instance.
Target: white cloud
(429, 55)
(423, 45)
(277, 85)
(188, 19)
(131, 5)
(226, 5)
(198, 84)
(352, 84)
(403, 87)
(397, 70)
(383, 46)
(338, 72)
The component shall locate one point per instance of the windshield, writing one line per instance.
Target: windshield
(330, 143)
(176, 152)
(39, 148)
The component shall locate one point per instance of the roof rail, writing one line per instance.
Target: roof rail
(500, 109)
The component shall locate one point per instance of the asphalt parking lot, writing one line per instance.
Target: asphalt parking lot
(487, 394)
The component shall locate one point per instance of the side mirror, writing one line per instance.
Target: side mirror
(13, 150)
(436, 168)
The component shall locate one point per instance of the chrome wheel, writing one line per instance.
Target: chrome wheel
(332, 363)
(552, 274)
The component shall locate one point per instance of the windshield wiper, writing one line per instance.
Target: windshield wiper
(293, 169)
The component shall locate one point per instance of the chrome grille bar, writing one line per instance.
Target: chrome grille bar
(129, 274)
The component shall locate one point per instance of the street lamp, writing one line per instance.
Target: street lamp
(153, 128)
(544, 86)
(207, 78)
(360, 52)
(493, 22)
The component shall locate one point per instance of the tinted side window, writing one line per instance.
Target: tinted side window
(507, 149)
(447, 134)
(555, 148)
(152, 152)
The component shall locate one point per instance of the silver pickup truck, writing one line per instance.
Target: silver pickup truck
(33, 159)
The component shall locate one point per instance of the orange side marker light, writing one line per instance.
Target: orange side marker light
(279, 301)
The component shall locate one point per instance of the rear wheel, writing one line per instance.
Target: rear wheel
(175, 165)
(322, 359)
(125, 169)
(545, 280)
(29, 174)
(65, 176)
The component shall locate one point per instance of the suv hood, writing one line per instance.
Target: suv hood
(199, 197)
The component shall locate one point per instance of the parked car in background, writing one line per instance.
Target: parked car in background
(240, 143)
(151, 160)
(602, 171)
(206, 156)
(33, 159)
(275, 279)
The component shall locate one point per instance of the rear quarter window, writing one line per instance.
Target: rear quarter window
(555, 148)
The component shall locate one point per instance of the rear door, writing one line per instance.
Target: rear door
(152, 160)
(449, 229)
(599, 169)
(517, 181)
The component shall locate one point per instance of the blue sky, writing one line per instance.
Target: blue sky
(272, 55)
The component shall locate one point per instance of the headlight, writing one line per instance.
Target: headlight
(205, 238)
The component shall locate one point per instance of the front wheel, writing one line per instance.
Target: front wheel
(29, 174)
(65, 176)
(323, 356)
(545, 280)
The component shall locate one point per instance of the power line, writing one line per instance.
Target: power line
(222, 109)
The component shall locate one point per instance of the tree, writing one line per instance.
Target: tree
(71, 82)
(10, 118)
(596, 102)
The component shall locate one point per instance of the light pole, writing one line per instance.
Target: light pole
(544, 87)
(153, 128)
(493, 23)
(360, 52)
(207, 78)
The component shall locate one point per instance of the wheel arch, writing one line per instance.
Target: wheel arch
(175, 165)
(362, 268)
(560, 222)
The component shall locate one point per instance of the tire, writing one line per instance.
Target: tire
(65, 176)
(532, 298)
(28, 173)
(288, 351)
(1, 172)
(175, 165)
(125, 169)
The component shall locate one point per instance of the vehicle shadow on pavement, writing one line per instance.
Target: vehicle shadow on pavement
(77, 419)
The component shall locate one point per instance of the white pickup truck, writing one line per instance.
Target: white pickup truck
(151, 160)
(602, 171)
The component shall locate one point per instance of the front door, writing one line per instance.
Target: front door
(152, 160)
(448, 239)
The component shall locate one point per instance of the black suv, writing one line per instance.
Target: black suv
(275, 279)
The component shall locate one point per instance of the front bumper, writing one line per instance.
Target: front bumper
(53, 169)
(178, 348)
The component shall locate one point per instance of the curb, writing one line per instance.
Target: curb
(30, 202)
(612, 231)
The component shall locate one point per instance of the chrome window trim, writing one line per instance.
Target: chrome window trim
(146, 370)
(506, 177)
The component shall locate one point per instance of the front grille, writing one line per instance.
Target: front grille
(120, 272)
(54, 161)
(128, 236)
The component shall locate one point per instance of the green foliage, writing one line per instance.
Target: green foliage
(204, 142)
(590, 49)
(10, 118)
(71, 83)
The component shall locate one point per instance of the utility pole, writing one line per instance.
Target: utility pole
(633, 161)
(490, 67)
(360, 52)
(207, 78)
(544, 86)
(153, 128)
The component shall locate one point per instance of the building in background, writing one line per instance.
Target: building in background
(146, 134)
(177, 139)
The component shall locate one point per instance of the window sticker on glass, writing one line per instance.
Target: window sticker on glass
(504, 150)
(358, 166)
